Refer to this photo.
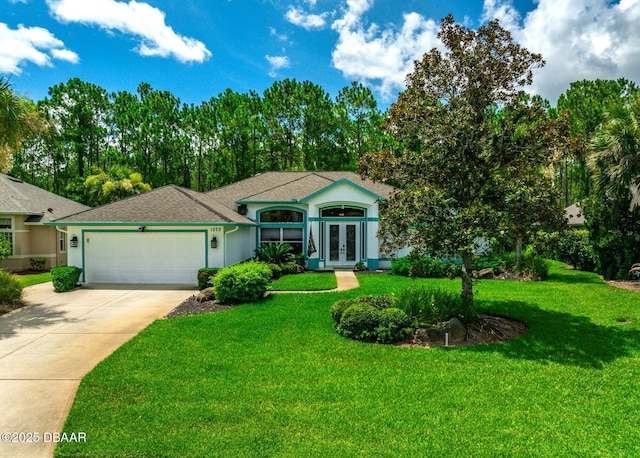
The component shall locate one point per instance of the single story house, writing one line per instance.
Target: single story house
(24, 212)
(167, 234)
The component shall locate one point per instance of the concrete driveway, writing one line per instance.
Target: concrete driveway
(49, 345)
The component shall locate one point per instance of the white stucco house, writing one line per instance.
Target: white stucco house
(166, 235)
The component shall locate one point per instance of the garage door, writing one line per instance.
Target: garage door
(144, 257)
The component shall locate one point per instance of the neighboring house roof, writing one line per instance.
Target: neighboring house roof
(168, 204)
(20, 198)
(574, 215)
(292, 187)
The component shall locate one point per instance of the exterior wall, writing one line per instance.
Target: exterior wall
(32, 240)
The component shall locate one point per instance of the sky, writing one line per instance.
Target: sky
(196, 49)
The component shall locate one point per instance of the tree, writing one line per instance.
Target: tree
(119, 183)
(19, 120)
(451, 177)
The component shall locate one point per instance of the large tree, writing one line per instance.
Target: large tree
(451, 177)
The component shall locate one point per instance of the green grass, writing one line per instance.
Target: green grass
(274, 379)
(310, 281)
(34, 279)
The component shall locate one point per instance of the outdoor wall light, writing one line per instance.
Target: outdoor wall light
(74, 241)
(214, 242)
(142, 228)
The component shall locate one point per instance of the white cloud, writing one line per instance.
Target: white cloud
(579, 39)
(380, 56)
(308, 21)
(277, 62)
(30, 44)
(135, 18)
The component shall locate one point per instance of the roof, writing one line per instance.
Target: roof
(292, 187)
(168, 204)
(20, 198)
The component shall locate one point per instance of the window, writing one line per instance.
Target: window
(6, 229)
(347, 212)
(281, 216)
(62, 246)
(283, 226)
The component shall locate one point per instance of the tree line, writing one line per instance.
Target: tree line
(293, 125)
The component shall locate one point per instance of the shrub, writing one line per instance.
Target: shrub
(289, 268)
(10, 288)
(5, 247)
(393, 325)
(489, 261)
(275, 253)
(531, 265)
(370, 319)
(276, 271)
(204, 276)
(573, 247)
(37, 262)
(246, 282)
(429, 305)
(359, 322)
(65, 278)
(424, 267)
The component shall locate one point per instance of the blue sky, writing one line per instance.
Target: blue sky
(198, 48)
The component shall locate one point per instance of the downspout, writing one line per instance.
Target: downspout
(224, 252)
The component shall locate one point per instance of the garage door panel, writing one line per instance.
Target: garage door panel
(144, 257)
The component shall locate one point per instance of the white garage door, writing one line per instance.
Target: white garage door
(144, 257)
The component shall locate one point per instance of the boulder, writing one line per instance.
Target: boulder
(484, 274)
(437, 334)
(207, 294)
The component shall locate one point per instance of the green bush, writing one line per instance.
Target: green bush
(531, 265)
(5, 247)
(245, 282)
(489, 261)
(370, 319)
(289, 268)
(393, 325)
(10, 288)
(37, 262)
(275, 253)
(65, 278)
(424, 267)
(573, 247)
(204, 276)
(429, 305)
(276, 271)
(359, 322)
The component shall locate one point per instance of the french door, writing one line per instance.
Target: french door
(343, 244)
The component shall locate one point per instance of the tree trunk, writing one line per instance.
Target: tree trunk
(467, 278)
(518, 251)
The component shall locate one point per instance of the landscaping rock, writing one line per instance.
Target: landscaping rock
(456, 330)
(207, 294)
(484, 274)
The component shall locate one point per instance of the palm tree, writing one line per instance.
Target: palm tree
(615, 158)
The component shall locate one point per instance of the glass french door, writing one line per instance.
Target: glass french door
(342, 249)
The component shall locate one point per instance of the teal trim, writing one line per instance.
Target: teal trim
(373, 264)
(313, 263)
(339, 183)
(204, 232)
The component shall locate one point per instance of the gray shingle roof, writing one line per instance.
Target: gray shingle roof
(20, 198)
(290, 187)
(168, 204)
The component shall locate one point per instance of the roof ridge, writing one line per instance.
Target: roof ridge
(303, 174)
(187, 193)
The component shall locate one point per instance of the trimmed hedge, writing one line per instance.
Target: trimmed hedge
(370, 319)
(424, 267)
(246, 282)
(204, 276)
(65, 278)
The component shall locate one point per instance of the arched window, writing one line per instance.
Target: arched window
(339, 212)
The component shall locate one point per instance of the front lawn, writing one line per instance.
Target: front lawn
(308, 281)
(34, 279)
(274, 379)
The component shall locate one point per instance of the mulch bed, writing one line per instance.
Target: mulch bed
(191, 306)
(631, 285)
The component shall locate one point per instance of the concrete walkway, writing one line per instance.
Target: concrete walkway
(346, 280)
(47, 347)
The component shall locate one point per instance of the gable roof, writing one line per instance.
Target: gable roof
(168, 204)
(20, 198)
(292, 187)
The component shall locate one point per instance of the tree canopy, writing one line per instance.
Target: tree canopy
(468, 131)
